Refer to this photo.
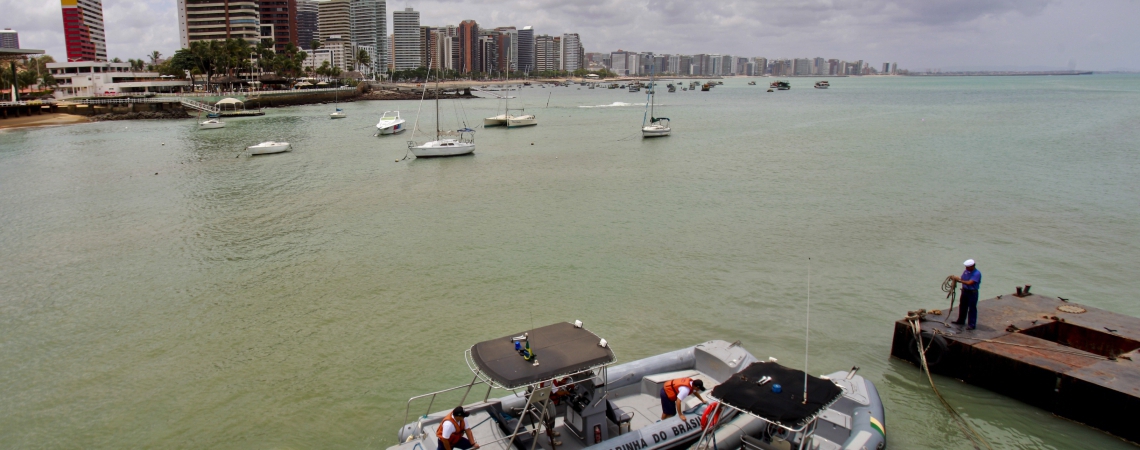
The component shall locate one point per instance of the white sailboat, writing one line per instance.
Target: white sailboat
(339, 113)
(458, 142)
(268, 147)
(390, 123)
(653, 126)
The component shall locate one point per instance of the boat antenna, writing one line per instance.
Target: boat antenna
(807, 332)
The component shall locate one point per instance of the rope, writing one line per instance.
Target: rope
(949, 286)
(972, 435)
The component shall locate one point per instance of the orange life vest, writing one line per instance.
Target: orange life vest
(459, 427)
(672, 386)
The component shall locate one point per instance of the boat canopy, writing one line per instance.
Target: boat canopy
(229, 101)
(654, 119)
(559, 350)
(785, 408)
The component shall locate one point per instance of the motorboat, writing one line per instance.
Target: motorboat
(211, 124)
(269, 147)
(564, 382)
(390, 123)
(822, 84)
(751, 83)
(338, 114)
(526, 120)
(780, 85)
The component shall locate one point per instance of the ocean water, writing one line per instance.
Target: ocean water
(160, 288)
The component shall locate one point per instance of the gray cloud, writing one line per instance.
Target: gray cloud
(915, 33)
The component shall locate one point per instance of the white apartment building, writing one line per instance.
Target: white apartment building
(572, 54)
(406, 32)
(95, 78)
(334, 18)
(546, 53)
(211, 20)
(369, 19)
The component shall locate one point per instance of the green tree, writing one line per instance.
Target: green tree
(154, 57)
(362, 59)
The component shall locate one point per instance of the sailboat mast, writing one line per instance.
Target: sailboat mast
(437, 76)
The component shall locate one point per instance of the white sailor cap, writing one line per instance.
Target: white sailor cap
(968, 263)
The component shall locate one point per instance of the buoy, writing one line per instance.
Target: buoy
(156, 173)
(397, 160)
(163, 143)
(532, 143)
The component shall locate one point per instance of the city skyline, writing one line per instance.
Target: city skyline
(953, 35)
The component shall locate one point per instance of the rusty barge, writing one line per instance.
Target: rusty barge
(1075, 361)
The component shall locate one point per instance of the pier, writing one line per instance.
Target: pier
(1072, 360)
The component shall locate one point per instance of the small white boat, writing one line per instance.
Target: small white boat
(268, 147)
(659, 128)
(211, 124)
(822, 85)
(338, 114)
(521, 121)
(445, 146)
(390, 123)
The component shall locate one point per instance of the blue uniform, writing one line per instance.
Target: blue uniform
(968, 302)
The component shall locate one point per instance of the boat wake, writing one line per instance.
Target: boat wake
(614, 105)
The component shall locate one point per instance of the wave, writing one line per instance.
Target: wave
(614, 105)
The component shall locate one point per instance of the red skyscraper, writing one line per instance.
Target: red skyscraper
(83, 30)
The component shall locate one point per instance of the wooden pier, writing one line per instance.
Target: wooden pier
(1075, 361)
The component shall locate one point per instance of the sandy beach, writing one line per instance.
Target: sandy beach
(44, 120)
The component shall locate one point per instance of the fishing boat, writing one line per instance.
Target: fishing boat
(446, 143)
(565, 382)
(705, 87)
(635, 87)
(780, 85)
(653, 126)
(822, 84)
(269, 147)
(390, 123)
(751, 83)
(672, 88)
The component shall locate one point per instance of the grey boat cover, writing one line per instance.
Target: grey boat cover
(560, 350)
(786, 408)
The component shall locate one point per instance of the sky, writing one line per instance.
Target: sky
(917, 34)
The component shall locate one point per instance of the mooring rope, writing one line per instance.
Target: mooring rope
(950, 287)
(973, 435)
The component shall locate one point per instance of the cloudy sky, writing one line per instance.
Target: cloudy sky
(918, 34)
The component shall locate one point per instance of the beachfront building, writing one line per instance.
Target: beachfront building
(211, 20)
(442, 51)
(342, 52)
(83, 30)
(95, 78)
(571, 52)
(469, 57)
(508, 43)
(406, 32)
(546, 53)
(9, 38)
(334, 18)
(526, 49)
(370, 28)
(307, 23)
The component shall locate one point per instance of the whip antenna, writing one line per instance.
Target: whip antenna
(807, 332)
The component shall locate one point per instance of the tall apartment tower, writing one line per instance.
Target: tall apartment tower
(526, 49)
(198, 20)
(308, 23)
(546, 53)
(334, 19)
(282, 15)
(508, 44)
(406, 32)
(370, 27)
(9, 38)
(470, 58)
(83, 30)
(571, 52)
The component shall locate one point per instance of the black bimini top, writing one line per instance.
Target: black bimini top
(786, 408)
(560, 349)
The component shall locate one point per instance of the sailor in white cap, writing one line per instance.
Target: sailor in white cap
(971, 280)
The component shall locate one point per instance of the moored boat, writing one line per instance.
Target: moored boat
(269, 147)
(822, 84)
(390, 123)
(211, 124)
(526, 120)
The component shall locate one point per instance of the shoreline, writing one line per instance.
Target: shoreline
(42, 120)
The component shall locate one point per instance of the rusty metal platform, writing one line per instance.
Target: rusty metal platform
(1044, 351)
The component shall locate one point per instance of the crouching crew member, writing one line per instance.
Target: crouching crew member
(675, 391)
(451, 430)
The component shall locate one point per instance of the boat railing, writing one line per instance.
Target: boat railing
(432, 395)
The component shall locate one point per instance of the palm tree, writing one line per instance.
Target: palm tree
(154, 57)
(362, 59)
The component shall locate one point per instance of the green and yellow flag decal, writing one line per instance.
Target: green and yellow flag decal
(878, 426)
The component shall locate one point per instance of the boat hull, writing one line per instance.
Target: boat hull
(523, 121)
(435, 150)
(391, 128)
(211, 126)
(263, 149)
(649, 132)
(497, 121)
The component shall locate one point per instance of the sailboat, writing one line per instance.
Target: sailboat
(339, 113)
(460, 142)
(525, 120)
(657, 126)
(501, 119)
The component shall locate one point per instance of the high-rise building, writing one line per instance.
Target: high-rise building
(469, 56)
(307, 23)
(426, 35)
(508, 43)
(83, 30)
(370, 27)
(9, 38)
(761, 66)
(571, 52)
(545, 53)
(335, 19)
(406, 31)
(886, 68)
(526, 49)
(489, 49)
(282, 15)
(441, 50)
(617, 63)
(198, 20)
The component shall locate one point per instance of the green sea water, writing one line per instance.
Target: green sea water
(161, 289)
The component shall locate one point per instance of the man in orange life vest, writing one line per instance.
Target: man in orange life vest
(451, 430)
(675, 391)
